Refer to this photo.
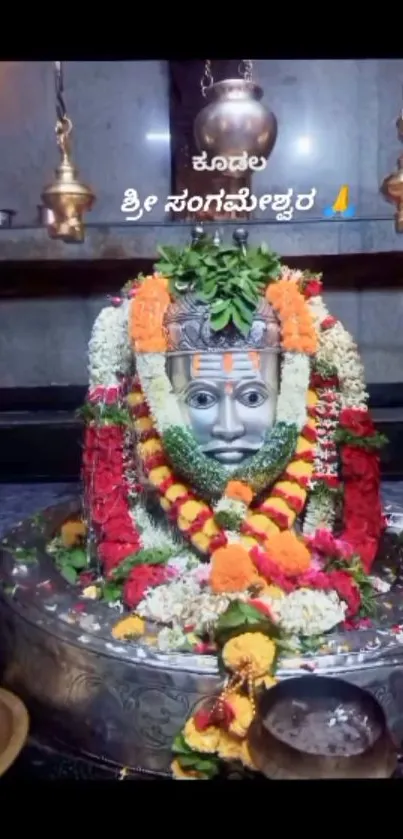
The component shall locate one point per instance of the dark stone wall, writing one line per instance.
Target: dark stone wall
(120, 112)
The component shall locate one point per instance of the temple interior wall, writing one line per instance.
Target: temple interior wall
(44, 342)
(116, 106)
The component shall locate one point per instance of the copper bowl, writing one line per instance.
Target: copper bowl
(276, 758)
(14, 724)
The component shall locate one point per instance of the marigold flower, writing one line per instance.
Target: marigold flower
(288, 552)
(244, 713)
(239, 491)
(128, 627)
(72, 532)
(146, 319)
(229, 747)
(251, 651)
(232, 569)
(184, 774)
(298, 329)
(201, 741)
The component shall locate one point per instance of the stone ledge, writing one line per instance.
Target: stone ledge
(140, 241)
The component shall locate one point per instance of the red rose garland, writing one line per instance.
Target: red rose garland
(106, 491)
(362, 515)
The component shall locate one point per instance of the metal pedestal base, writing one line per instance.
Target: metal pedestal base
(116, 704)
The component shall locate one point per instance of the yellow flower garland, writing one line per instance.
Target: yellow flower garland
(260, 521)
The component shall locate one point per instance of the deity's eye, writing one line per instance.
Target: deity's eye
(201, 399)
(252, 397)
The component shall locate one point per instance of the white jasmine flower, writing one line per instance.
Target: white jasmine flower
(158, 390)
(109, 350)
(183, 603)
(169, 640)
(291, 404)
(307, 612)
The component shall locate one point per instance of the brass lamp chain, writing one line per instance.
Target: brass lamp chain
(63, 124)
(207, 77)
(245, 69)
(61, 112)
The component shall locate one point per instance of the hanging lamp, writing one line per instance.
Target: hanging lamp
(67, 197)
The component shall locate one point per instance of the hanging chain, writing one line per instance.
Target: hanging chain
(63, 124)
(59, 89)
(207, 77)
(245, 69)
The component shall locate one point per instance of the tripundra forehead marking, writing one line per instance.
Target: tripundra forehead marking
(225, 365)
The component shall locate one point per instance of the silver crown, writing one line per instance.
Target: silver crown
(187, 324)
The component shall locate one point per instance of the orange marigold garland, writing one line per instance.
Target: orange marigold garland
(297, 326)
(146, 318)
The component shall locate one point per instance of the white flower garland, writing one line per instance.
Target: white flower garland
(155, 384)
(336, 348)
(291, 404)
(109, 351)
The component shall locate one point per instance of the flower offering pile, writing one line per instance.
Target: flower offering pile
(231, 476)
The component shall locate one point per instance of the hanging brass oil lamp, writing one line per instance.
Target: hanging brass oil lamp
(392, 187)
(66, 197)
(234, 121)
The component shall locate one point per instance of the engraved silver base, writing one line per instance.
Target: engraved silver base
(125, 702)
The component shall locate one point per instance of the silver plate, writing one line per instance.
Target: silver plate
(125, 702)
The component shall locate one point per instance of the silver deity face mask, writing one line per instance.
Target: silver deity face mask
(225, 383)
(228, 399)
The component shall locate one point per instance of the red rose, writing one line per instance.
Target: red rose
(328, 322)
(103, 508)
(363, 542)
(95, 394)
(110, 437)
(358, 421)
(140, 579)
(359, 503)
(359, 463)
(105, 481)
(120, 529)
(88, 458)
(347, 590)
(111, 395)
(313, 288)
(90, 437)
(86, 578)
(112, 554)
(314, 579)
(324, 542)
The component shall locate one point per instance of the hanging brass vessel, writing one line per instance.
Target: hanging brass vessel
(392, 187)
(67, 197)
(235, 121)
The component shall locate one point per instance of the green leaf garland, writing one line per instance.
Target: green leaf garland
(210, 478)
